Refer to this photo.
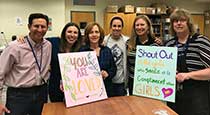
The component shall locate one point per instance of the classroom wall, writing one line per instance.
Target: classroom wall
(11, 9)
(59, 11)
(98, 8)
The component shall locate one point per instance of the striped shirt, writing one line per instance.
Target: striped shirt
(131, 56)
(197, 54)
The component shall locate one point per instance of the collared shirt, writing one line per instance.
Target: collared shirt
(18, 65)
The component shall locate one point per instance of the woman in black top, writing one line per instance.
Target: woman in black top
(142, 34)
(70, 41)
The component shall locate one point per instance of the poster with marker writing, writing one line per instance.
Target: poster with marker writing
(81, 78)
(155, 71)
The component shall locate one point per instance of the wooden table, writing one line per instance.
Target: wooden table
(123, 105)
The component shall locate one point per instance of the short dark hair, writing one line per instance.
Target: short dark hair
(14, 37)
(116, 18)
(37, 15)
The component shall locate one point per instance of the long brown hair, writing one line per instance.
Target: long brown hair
(63, 41)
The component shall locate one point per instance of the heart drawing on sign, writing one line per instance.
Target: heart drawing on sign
(167, 92)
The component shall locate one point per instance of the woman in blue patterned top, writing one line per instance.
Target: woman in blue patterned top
(94, 36)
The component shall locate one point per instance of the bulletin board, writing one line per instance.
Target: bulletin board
(82, 17)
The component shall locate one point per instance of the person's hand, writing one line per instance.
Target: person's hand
(61, 86)
(104, 74)
(180, 77)
(159, 41)
(21, 39)
(3, 109)
(103, 43)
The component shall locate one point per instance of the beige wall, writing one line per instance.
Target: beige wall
(10, 9)
(98, 8)
(59, 11)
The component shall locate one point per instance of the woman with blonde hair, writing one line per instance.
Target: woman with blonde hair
(142, 34)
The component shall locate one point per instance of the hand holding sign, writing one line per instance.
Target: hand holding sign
(104, 74)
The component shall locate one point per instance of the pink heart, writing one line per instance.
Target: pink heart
(167, 92)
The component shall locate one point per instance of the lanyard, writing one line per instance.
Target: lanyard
(39, 65)
(185, 47)
(181, 62)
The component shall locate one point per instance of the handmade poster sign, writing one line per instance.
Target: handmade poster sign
(82, 81)
(155, 71)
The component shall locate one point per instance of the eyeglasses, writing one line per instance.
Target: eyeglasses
(180, 20)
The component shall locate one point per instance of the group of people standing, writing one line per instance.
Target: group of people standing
(26, 67)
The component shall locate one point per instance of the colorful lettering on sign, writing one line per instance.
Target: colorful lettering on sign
(85, 85)
(149, 90)
(81, 78)
(162, 54)
(155, 71)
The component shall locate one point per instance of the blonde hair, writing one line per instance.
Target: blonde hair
(180, 14)
(132, 40)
